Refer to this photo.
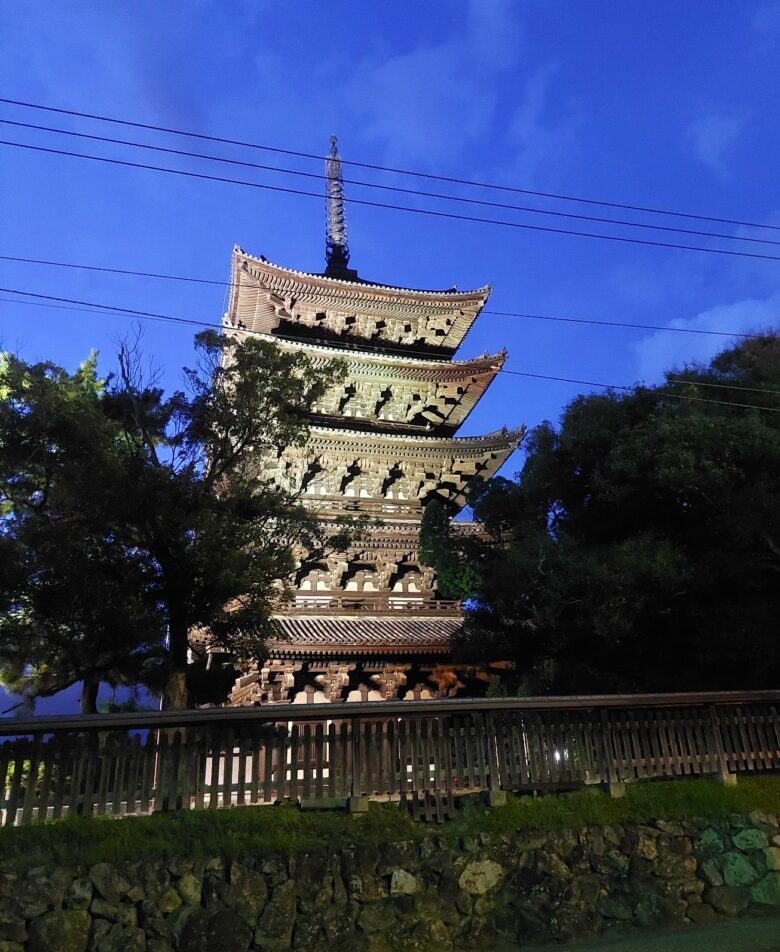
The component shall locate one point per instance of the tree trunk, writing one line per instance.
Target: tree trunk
(89, 695)
(175, 694)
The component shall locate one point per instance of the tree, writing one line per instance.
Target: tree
(639, 547)
(75, 603)
(165, 501)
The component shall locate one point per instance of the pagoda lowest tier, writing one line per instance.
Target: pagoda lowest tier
(369, 622)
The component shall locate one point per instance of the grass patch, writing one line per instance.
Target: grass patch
(643, 802)
(252, 830)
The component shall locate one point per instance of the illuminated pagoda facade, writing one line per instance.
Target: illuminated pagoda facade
(369, 623)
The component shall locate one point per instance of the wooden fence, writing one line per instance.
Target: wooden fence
(419, 752)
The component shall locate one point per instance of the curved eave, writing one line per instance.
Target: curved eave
(265, 287)
(443, 370)
(458, 446)
(319, 281)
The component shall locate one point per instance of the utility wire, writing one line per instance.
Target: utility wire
(525, 316)
(394, 188)
(388, 205)
(383, 168)
(152, 315)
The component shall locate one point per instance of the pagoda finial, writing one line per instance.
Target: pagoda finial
(336, 244)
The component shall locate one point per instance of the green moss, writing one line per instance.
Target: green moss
(282, 828)
(668, 800)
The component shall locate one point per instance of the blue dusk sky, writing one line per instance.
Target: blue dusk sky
(666, 105)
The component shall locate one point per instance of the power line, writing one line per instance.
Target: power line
(383, 168)
(152, 315)
(394, 188)
(402, 208)
(520, 314)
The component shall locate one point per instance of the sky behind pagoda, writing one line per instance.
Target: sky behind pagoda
(667, 105)
(659, 106)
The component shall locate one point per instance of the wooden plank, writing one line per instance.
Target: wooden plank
(480, 755)
(345, 780)
(62, 750)
(44, 791)
(756, 747)
(663, 744)
(455, 741)
(283, 746)
(403, 745)
(307, 761)
(758, 721)
(226, 786)
(470, 750)
(730, 735)
(330, 760)
(748, 758)
(429, 762)
(773, 723)
(104, 768)
(162, 766)
(382, 760)
(31, 786)
(267, 738)
(89, 795)
(295, 753)
(367, 758)
(148, 764)
(257, 768)
(393, 758)
(241, 762)
(77, 776)
(5, 767)
(20, 755)
(494, 772)
(441, 752)
(319, 761)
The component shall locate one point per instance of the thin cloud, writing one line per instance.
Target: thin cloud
(766, 22)
(712, 136)
(659, 352)
(434, 101)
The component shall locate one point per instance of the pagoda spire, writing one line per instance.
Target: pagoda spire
(336, 243)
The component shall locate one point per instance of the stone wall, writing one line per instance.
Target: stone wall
(425, 894)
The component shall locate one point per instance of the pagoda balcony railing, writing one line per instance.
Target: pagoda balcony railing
(421, 753)
(324, 603)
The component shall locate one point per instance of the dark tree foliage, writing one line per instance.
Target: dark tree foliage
(639, 548)
(131, 519)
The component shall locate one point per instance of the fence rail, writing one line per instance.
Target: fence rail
(421, 752)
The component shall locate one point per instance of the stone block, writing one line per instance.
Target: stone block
(750, 839)
(496, 798)
(727, 900)
(479, 876)
(325, 803)
(65, 930)
(767, 892)
(737, 870)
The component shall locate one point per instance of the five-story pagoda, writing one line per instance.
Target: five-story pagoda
(368, 623)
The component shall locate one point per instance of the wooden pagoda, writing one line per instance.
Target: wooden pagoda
(368, 623)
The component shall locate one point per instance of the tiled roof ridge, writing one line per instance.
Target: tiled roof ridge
(504, 435)
(483, 291)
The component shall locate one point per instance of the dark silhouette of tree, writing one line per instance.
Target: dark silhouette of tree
(639, 547)
(131, 519)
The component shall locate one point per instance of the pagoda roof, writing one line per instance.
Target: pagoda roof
(362, 635)
(266, 296)
(395, 366)
(413, 445)
(444, 466)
